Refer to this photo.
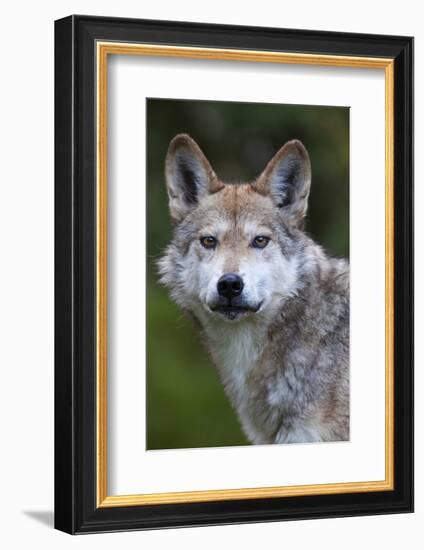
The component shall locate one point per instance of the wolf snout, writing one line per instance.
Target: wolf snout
(230, 285)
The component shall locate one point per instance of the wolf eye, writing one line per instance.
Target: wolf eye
(208, 242)
(260, 241)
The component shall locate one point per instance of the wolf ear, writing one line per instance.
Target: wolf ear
(189, 176)
(287, 179)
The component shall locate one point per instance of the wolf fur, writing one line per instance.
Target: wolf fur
(280, 341)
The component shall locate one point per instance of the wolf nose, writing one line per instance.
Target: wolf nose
(230, 285)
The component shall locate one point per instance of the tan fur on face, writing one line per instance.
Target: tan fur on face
(237, 204)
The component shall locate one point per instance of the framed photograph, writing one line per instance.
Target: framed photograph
(234, 266)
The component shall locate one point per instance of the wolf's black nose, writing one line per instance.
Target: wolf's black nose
(230, 285)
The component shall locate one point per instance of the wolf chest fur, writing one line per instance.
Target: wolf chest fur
(272, 306)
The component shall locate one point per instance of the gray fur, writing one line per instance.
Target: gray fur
(285, 368)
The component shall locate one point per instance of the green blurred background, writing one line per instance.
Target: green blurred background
(186, 405)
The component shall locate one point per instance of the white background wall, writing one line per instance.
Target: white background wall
(26, 273)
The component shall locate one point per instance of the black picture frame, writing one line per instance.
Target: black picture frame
(76, 509)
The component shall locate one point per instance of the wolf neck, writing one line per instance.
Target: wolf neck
(236, 350)
(236, 347)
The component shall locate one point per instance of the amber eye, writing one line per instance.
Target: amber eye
(208, 242)
(260, 241)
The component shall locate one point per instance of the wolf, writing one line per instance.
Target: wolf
(272, 306)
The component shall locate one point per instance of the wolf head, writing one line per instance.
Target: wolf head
(234, 254)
